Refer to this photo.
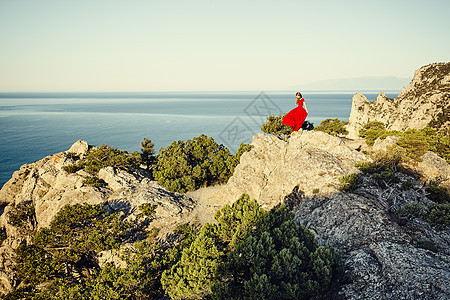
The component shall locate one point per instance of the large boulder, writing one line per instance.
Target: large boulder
(312, 160)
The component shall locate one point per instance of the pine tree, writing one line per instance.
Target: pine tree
(278, 260)
(195, 273)
(274, 125)
(186, 166)
(148, 151)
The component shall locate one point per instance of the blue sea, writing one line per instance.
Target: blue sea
(34, 125)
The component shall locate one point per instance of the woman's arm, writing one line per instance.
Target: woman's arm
(304, 104)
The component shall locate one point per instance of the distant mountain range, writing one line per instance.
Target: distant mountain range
(387, 83)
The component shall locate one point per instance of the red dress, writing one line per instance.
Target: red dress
(296, 117)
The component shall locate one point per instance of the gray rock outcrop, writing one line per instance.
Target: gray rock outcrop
(48, 188)
(424, 102)
(311, 159)
(383, 255)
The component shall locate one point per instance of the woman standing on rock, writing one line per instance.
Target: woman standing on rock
(297, 116)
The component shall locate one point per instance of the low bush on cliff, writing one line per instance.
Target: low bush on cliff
(380, 170)
(437, 215)
(23, 215)
(348, 183)
(277, 260)
(248, 253)
(332, 126)
(383, 166)
(251, 254)
(415, 142)
(93, 181)
(200, 262)
(274, 126)
(106, 156)
(373, 130)
(67, 248)
(437, 194)
(186, 166)
(148, 153)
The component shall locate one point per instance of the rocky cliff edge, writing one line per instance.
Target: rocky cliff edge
(424, 102)
(383, 256)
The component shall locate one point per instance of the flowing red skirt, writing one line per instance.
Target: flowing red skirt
(295, 118)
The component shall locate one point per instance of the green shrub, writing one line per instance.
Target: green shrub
(440, 144)
(72, 168)
(23, 215)
(186, 166)
(92, 181)
(272, 258)
(417, 142)
(106, 156)
(438, 216)
(349, 182)
(278, 260)
(333, 126)
(71, 241)
(236, 221)
(148, 153)
(197, 270)
(147, 209)
(408, 184)
(34, 265)
(413, 142)
(83, 228)
(437, 194)
(27, 292)
(383, 166)
(410, 210)
(139, 280)
(274, 126)
(373, 130)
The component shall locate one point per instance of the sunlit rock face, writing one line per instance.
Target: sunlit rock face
(424, 102)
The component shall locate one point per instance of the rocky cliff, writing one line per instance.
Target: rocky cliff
(48, 188)
(383, 256)
(424, 102)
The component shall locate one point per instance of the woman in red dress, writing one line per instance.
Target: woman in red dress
(297, 116)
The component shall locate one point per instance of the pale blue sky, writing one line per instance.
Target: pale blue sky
(56, 45)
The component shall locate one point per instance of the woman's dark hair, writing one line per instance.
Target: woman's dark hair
(298, 93)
